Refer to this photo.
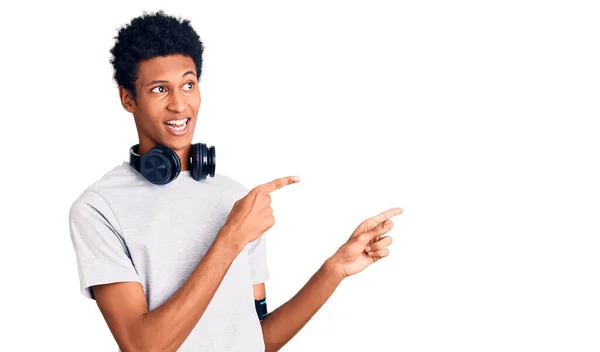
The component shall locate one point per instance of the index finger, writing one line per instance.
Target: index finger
(278, 183)
(377, 219)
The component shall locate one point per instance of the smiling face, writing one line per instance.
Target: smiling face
(168, 99)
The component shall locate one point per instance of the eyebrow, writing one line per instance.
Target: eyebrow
(163, 81)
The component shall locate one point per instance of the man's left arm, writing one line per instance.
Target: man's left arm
(284, 322)
(364, 247)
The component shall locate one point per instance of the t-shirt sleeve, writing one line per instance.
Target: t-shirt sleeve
(257, 254)
(101, 253)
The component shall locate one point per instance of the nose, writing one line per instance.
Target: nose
(176, 102)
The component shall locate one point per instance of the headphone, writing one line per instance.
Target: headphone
(162, 165)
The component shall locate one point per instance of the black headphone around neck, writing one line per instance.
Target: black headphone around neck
(161, 164)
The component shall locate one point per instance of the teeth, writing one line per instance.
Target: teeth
(178, 128)
(177, 122)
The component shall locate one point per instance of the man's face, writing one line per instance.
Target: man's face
(167, 92)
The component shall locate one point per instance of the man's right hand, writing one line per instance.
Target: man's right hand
(252, 215)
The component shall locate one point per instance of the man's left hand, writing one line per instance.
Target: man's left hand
(366, 245)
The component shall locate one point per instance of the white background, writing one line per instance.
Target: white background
(478, 118)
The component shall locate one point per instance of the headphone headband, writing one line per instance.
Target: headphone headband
(134, 157)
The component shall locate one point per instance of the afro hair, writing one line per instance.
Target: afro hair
(149, 36)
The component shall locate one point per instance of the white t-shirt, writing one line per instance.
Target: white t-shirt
(125, 228)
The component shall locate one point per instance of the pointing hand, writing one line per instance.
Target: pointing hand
(252, 215)
(366, 244)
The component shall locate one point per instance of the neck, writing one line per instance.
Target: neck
(184, 156)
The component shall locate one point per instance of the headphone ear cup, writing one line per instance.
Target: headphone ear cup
(160, 165)
(212, 161)
(203, 161)
(196, 162)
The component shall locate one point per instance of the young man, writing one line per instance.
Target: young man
(181, 264)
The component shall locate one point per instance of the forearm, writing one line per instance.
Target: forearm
(166, 327)
(284, 322)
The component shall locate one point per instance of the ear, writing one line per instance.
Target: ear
(127, 100)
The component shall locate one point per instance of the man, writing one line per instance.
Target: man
(181, 265)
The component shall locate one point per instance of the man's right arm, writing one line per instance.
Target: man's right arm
(166, 327)
(124, 304)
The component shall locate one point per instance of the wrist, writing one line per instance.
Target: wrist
(227, 237)
(334, 269)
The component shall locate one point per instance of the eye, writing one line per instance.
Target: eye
(160, 91)
(190, 84)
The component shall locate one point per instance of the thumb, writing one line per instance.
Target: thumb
(378, 230)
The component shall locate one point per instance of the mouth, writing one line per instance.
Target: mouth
(178, 127)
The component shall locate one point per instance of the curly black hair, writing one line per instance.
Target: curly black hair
(148, 36)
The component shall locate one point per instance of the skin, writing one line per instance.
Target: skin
(166, 89)
(123, 304)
